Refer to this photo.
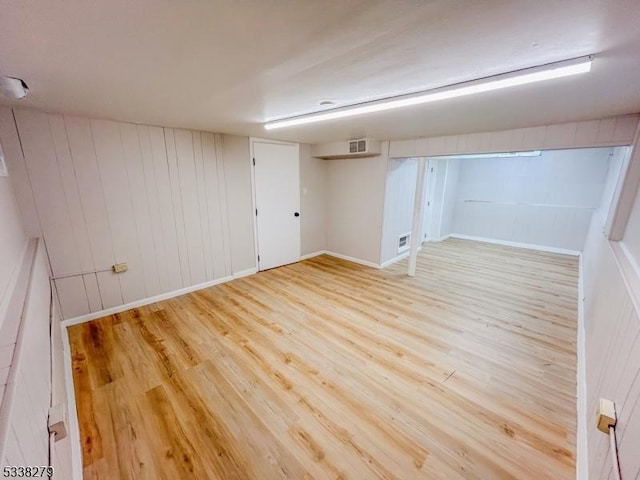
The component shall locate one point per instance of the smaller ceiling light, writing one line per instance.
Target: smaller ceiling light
(11, 87)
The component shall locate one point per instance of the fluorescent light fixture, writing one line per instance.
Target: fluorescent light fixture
(488, 84)
(528, 153)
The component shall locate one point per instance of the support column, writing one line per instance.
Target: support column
(416, 232)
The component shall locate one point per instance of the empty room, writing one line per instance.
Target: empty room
(390, 239)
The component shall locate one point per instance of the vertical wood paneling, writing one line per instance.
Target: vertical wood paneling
(112, 192)
(216, 214)
(170, 261)
(93, 203)
(71, 193)
(186, 167)
(139, 201)
(93, 292)
(48, 191)
(25, 410)
(597, 133)
(178, 212)
(222, 195)
(612, 337)
(73, 296)
(203, 205)
(18, 174)
(113, 174)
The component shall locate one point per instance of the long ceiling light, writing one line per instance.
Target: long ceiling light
(520, 77)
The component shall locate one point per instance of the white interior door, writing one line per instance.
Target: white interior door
(277, 191)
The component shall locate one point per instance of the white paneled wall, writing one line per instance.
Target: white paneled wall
(175, 205)
(605, 132)
(612, 334)
(24, 411)
(398, 204)
(543, 200)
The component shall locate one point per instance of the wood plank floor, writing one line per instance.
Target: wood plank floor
(325, 369)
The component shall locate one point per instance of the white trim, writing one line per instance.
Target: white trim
(508, 243)
(311, 255)
(582, 458)
(156, 298)
(240, 274)
(395, 259)
(441, 239)
(366, 263)
(74, 429)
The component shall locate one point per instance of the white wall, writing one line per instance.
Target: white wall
(612, 333)
(12, 243)
(355, 200)
(314, 176)
(398, 204)
(12, 246)
(174, 204)
(546, 200)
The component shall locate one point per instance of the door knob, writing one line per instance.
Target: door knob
(297, 214)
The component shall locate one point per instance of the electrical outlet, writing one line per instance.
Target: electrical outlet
(58, 421)
(606, 415)
(120, 267)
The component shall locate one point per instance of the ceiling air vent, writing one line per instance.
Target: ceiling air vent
(361, 147)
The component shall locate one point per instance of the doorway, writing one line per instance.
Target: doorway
(276, 170)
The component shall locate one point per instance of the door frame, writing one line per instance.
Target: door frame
(252, 141)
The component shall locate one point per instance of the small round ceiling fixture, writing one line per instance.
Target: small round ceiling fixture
(327, 103)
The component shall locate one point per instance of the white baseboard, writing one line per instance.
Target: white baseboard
(395, 259)
(314, 254)
(157, 298)
(366, 263)
(508, 243)
(582, 456)
(240, 274)
(441, 239)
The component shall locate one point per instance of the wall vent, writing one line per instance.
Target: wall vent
(404, 242)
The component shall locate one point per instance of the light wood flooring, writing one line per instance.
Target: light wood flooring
(326, 369)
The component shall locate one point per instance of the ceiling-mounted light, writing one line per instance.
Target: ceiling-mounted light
(496, 82)
(13, 87)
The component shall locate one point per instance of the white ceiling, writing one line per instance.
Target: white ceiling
(227, 66)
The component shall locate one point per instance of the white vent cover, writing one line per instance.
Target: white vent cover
(404, 242)
(357, 146)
